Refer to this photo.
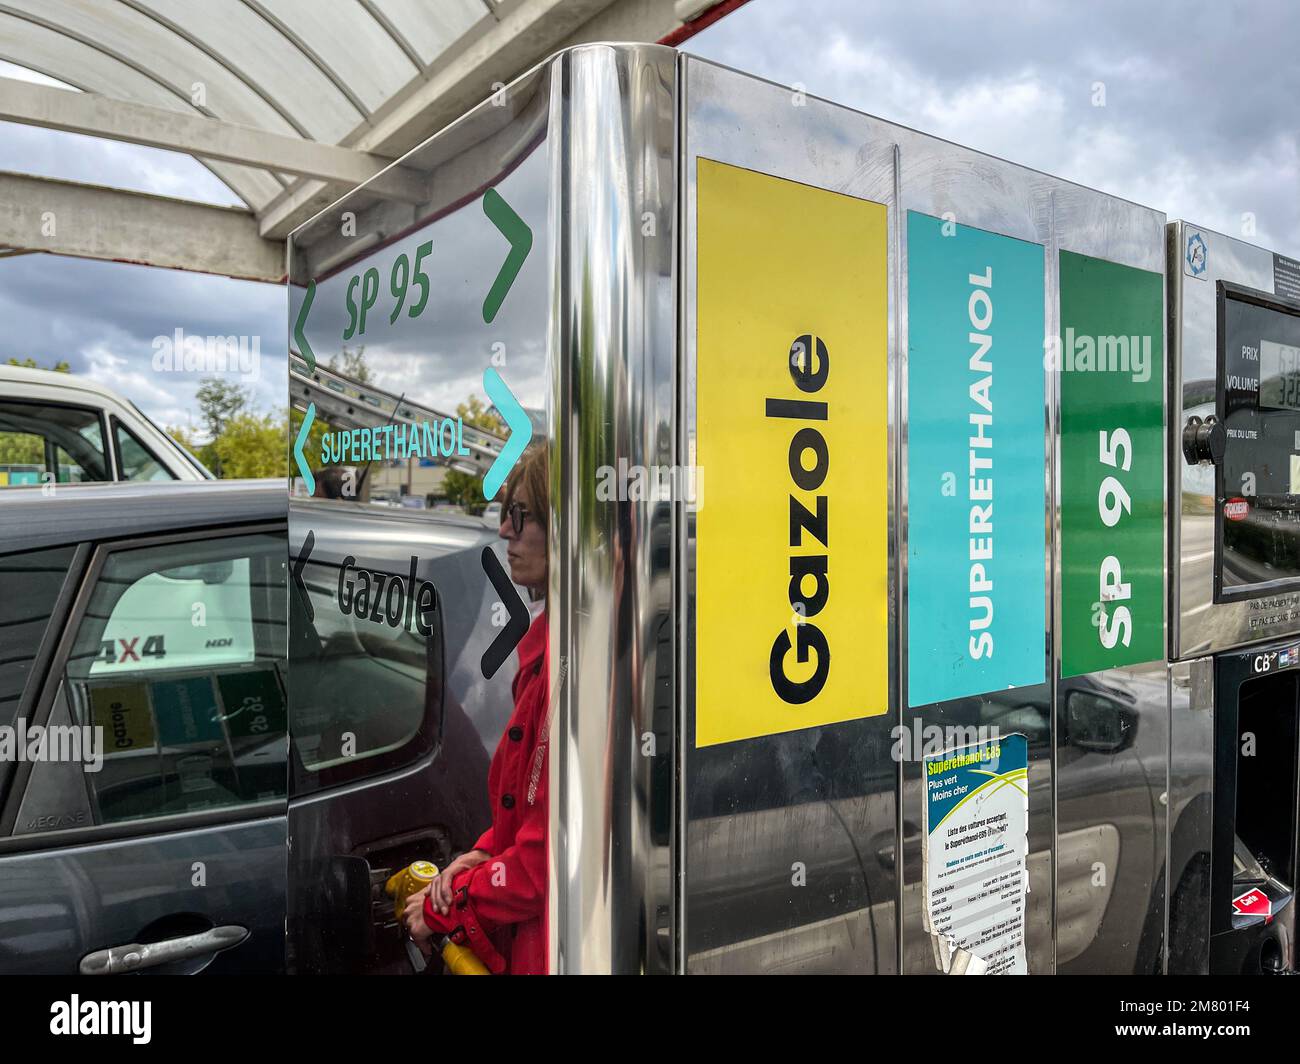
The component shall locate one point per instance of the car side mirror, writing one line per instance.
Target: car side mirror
(1099, 724)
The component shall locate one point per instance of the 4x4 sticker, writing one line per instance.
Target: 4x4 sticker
(120, 651)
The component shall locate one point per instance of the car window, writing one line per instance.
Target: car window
(136, 460)
(366, 692)
(179, 659)
(31, 582)
(45, 442)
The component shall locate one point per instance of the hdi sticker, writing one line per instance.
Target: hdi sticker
(791, 578)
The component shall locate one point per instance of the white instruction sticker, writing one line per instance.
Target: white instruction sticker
(975, 868)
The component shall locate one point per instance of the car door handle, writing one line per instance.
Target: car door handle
(137, 955)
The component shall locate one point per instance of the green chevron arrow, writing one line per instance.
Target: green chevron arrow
(514, 229)
(303, 467)
(304, 348)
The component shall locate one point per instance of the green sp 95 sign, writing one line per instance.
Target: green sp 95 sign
(401, 277)
(1112, 465)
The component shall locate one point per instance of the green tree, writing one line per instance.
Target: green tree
(352, 364)
(219, 400)
(186, 440)
(252, 446)
(30, 363)
(249, 446)
(21, 448)
(475, 413)
(465, 490)
(204, 452)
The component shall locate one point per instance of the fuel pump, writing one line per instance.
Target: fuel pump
(1079, 558)
(1235, 337)
(1253, 871)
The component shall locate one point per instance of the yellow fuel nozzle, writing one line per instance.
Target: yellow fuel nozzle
(401, 885)
(460, 960)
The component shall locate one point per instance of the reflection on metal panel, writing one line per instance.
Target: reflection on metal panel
(790, 851)
(1199, 262)
(1190, 815)
(393, 715)
(756, 793)
(1083, 895)
(611, 577)
(1112, 743)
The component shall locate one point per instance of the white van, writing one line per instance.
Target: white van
(60, 428)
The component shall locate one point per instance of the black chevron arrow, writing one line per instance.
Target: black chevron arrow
(504, 644)
(299, 564)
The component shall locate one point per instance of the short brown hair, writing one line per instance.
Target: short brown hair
(529, 479)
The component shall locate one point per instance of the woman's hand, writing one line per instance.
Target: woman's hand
(413, 917)
(440, 889)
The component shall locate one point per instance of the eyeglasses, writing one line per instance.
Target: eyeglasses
(517, 512)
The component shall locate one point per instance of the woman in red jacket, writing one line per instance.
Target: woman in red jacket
(493, 899)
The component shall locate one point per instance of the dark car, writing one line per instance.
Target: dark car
(156, 617)
(392, 722)
(144, 631)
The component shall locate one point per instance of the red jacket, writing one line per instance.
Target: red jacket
(499, 906)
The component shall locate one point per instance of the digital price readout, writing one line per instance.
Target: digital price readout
(1279, 375)
(1258, 484)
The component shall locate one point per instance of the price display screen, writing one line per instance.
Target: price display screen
(1279, 375)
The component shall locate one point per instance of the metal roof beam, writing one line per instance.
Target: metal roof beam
(209, 138)
(90, 221)
(524, 33)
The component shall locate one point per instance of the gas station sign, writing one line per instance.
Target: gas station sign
(977, 480)
(791, 580)
(1112, 465)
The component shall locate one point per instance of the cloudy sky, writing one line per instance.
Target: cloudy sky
(102, 317)
(1199, 115)
(1198, 119)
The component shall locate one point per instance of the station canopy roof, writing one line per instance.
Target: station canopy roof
(289, 102)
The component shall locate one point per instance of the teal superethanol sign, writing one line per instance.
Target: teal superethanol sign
(443, 438)
(976, 463)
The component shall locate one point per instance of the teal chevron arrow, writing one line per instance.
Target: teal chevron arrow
(303, 467)
(521, 431)
(299, 335)
(514, 229)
